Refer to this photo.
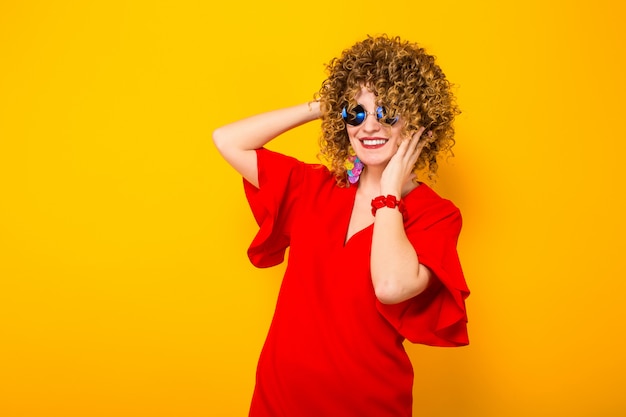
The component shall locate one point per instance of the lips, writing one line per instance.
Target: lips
(373, 143)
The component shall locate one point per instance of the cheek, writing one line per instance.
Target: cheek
(398, 137)
(351, 135)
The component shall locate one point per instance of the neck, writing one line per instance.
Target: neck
(369, 183)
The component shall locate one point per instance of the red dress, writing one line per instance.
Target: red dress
(333, 350)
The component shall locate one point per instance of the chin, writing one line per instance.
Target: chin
(375, 162)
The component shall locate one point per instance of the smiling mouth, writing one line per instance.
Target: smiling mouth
(373, 143)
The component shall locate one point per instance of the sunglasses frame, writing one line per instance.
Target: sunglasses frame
(361, 115)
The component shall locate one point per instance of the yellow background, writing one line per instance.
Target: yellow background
(124, 284)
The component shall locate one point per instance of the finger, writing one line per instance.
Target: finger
(420, 146)
(415, 154)
(418, 134)
(403, 147)
(409, 148)
(416, 144)
(415, 138)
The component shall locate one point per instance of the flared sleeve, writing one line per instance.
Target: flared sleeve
(280, 178)
(437, 316)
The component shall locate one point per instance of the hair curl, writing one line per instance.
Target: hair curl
(407, 82)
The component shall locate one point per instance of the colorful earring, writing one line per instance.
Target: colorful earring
(354, 166)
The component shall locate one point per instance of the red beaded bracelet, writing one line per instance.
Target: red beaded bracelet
(389, 201)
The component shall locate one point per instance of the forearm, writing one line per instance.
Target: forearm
(238, 141)
(396, 272)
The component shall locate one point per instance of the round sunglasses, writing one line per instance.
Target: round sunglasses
(358, 114)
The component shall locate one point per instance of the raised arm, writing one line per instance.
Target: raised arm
(397, 274)
(238, 141)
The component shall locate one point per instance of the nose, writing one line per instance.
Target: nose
(371, 123)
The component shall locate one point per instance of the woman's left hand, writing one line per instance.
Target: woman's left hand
(399, 170)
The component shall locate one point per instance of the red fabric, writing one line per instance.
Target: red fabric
(332, 349)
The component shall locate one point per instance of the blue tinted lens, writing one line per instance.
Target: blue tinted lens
(354, 117)
(380, 115)
(359, 115)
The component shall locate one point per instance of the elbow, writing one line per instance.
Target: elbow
(394, 291)
(218, 138)
(388, 285)
(388, 293)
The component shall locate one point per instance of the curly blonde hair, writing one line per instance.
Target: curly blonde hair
(408, 84)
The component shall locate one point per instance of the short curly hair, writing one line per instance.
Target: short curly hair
(407, 82)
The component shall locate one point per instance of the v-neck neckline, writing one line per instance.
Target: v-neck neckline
(352, 200)
(346, 223)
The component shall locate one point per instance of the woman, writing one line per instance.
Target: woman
(372, 256)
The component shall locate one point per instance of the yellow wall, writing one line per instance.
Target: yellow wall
(124, 285)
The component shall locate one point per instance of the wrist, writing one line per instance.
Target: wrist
(385, 191)
(314, 109)
(388, 201)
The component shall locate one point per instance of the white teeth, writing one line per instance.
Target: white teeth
(372, 142)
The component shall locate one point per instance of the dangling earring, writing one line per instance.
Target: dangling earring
(354, 166)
